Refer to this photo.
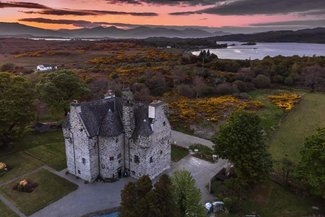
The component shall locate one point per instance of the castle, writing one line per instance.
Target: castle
(117, 136)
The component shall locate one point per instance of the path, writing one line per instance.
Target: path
(186, 140)
(202, 171)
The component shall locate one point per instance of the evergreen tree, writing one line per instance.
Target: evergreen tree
(164, 197)
(129, 200)
(240, 141)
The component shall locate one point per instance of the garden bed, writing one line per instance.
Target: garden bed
(178, 153)
(203, 152)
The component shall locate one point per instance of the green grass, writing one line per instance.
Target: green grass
(303, 121)
(50, 188)
(270, 199)
(204, 152)
(52, 154)
(32, 140)
(5, 211)
(178, 153)
(19, 164)
(270, 115)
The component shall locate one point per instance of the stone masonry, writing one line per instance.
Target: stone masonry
(108, 138)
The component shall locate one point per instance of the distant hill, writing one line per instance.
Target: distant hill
(316, 35)
(16, 30)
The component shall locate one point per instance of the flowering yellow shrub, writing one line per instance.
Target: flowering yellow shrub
(211, 109)
(3, 166)
(23, 182)
(285, 101)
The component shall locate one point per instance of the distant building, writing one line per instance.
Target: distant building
(114, 136)
(45, 68)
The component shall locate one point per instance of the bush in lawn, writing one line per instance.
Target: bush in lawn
(25, 186)
(3, 168)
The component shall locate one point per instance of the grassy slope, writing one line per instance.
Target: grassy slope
(51, 188)
(5, 211)
(300, 123)
(270, 199)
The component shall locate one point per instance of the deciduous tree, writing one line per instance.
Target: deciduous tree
(311, 169)
(187, 196)
(240, 141)
(16, 107)
(59, 88)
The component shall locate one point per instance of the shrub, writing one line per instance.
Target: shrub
(225, 89)
(262, 81)
(25, 186)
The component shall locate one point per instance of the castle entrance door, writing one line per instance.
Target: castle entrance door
(119, 173)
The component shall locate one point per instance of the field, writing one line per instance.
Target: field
(50, 188)
(300, 123)
(270, 199)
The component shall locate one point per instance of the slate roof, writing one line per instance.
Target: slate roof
(103, 118)
(142, 122)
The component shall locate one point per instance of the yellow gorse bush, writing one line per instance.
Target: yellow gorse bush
(285, 101)
(211, 109)
(3, 166)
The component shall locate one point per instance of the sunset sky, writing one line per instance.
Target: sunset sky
(224, 14)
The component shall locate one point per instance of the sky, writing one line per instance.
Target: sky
(225, 15)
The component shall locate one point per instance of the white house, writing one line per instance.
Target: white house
(45, 68)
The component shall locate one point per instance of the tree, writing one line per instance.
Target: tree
(16, 107)
(240, 141)
(59, 88)
(128, 200)
(311, 168)
(164, 197)
(187, 196)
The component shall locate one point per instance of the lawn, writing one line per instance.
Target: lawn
(19, 164)
(270, 115)
(270, 199)
(51, 188)
(178, 153)
(303, 121)
(52, 154)
(5, 211)
(31, 140)
(203, 152)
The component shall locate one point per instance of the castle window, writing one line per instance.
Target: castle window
(133, 173)
(161, 152)
(119, 156)
(83, 160)
(119, 161)
(151, 160)
(116, 140)
(79, 172)
(81, 129)
(164, 123)
(136, 159)
(111, 158)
